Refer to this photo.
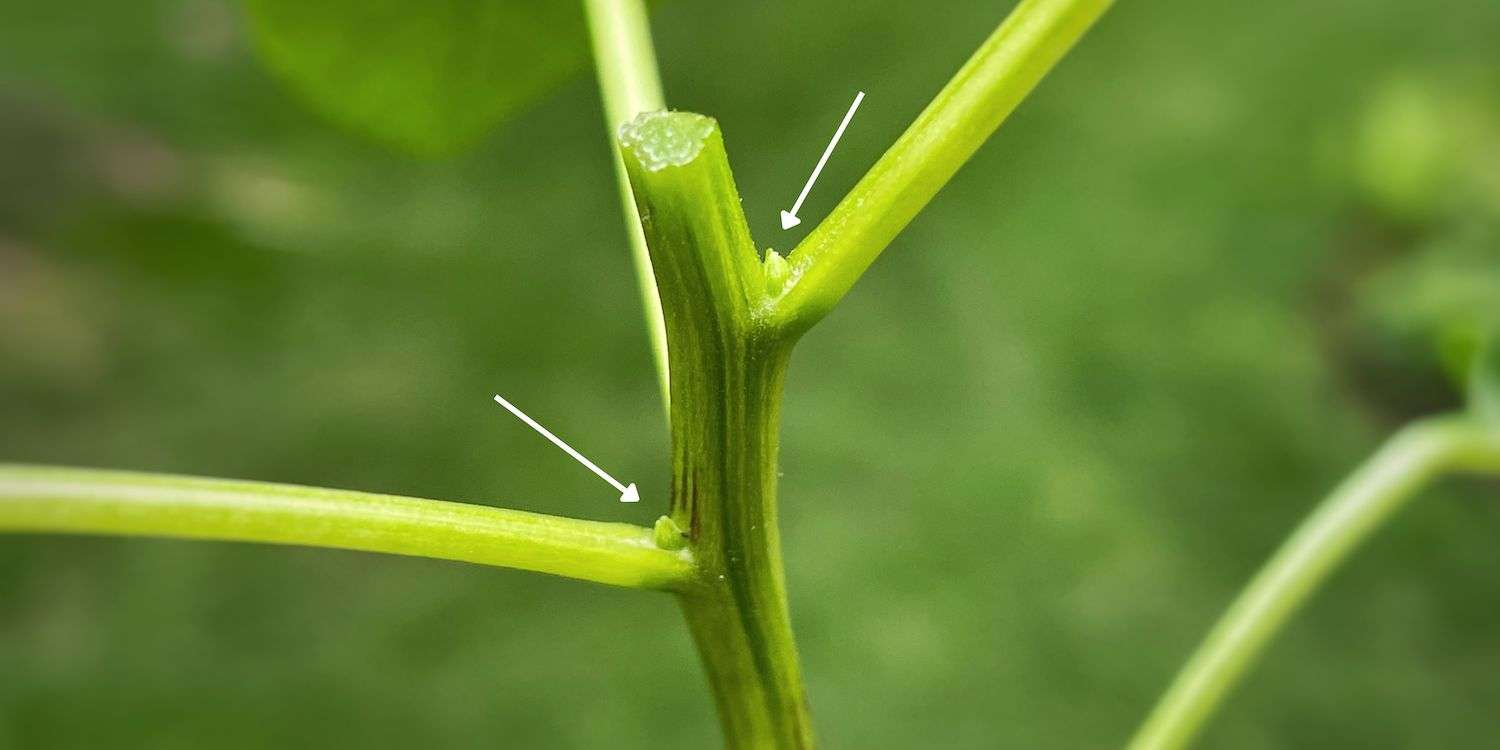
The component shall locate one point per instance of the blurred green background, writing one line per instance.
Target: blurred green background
(1027, 462)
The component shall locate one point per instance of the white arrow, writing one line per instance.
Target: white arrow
(628, 493)
(789, 218)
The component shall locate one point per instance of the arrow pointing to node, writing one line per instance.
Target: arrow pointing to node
(628, 493)
(789, 218)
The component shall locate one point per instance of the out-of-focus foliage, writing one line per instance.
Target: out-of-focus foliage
(1429, 147)
(1439, 301)
(1406, 154)
(1426, 166)
(1026, 463)
(1484, 383)
(429, 76)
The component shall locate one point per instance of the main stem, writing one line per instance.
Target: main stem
(724, 480)
(726, 379)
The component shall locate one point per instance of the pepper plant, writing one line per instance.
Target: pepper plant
(724, 319)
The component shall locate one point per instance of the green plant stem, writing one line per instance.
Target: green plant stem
(1359, 506)
(84, 501)
(629, 83)
(965, 113)
(727, 374)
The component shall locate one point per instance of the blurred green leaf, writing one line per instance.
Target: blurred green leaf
(428, 77)
(1405, 153)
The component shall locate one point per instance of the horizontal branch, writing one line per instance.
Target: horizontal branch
(86, 501)
(964, 114)
(1359, 506)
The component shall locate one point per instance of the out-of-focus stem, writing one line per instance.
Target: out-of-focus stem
(629, 82)
(1359, 506)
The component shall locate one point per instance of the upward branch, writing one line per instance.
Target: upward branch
(84, 501)
(983, 93)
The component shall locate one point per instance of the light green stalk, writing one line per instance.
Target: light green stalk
(630, 85)
(965, 113)
(83, 501)
(1359, 506)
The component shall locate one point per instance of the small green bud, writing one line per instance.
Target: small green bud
(776, 271)
(668, 534)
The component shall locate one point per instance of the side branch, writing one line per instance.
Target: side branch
(85, 501)
(1359, 506)
(965, 113)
